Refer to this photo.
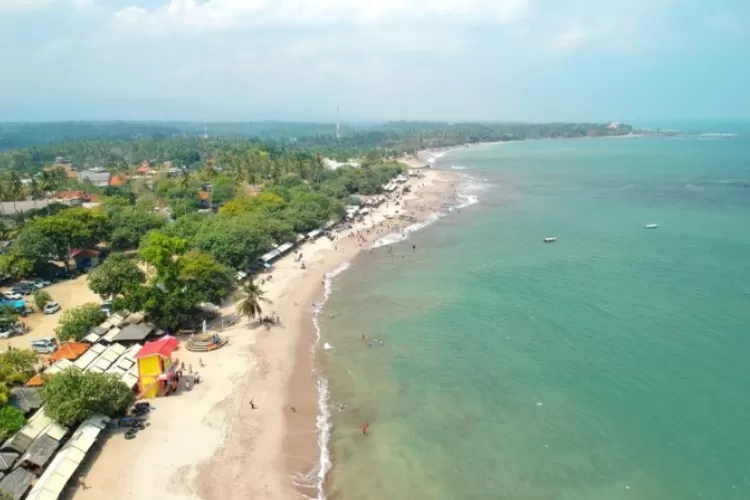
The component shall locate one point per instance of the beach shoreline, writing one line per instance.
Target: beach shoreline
(303, 450)
(202, 440)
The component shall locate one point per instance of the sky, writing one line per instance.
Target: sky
(487, 60)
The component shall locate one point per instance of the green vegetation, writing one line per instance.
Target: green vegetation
(181, 280)
(72, 396)
(115, 276)
(115, 143)
(16, 367)
(76, 323)
(252, 296)
(11, 421)
(41, 299)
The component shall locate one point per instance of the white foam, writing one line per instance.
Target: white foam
(467, 193)
(323, 420)
(458, 167)
(403, 235)
(433, 157)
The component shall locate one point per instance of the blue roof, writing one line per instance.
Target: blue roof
(16, 304)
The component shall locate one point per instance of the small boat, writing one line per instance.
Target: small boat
(550, 239)
(652, 226)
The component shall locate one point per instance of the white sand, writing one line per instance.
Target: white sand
(208, 443)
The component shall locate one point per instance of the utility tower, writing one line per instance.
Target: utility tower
(205, 130)
(338, 124)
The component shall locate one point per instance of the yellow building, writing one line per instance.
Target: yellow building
(156, 368)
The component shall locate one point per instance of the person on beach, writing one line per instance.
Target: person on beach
(252, 404)
(365, 428)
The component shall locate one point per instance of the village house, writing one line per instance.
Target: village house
(97, 176)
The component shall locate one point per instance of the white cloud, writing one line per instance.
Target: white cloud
(200, 15)
(607, 33)
(572, 37)
(21, 6)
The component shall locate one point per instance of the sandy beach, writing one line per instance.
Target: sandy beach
(209, 443)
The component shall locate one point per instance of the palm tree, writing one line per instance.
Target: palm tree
(47, 184)
(185, 183)
(15, 188)
(34, 190)
(252, 297)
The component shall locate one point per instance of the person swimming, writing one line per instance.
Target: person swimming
(365, 428)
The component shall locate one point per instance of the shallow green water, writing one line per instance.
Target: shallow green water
(613, 364)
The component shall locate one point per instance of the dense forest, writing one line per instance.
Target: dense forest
(29, 147)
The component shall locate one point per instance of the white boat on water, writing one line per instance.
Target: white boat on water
(550, 239)
(652, 226)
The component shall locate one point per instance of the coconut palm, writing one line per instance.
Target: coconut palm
(185, 183)
(47, 184)
(15, 188)
(252, 297)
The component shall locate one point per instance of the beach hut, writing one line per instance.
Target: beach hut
(69, 350)
(156, 368)
(17, 483)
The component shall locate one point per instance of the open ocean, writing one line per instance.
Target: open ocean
(613, 364)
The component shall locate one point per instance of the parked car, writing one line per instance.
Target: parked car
(22, 290)
(46, 345)
(107, 307)
(32, 284)
(41, 282)
(7, 333)
(51, 308)
(12, 296)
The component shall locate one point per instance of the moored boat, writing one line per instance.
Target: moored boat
(652, 226)
(550, 239)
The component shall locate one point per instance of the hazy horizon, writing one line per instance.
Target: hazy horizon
(447, 60)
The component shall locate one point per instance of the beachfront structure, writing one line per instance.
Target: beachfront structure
(156, 368)
(51, 483)
(17, 483)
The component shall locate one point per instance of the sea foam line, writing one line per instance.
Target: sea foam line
(466, 195)
(323, 420)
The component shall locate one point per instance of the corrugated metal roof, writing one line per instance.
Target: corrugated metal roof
(40, 451)
(86, 359)
(110, 336)
(91, 338)
(17, 482)
(130, 379)
(51, 484)
(38, 424)
(58, 366)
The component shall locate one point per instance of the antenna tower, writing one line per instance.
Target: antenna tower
(205, 130)
(338, 124)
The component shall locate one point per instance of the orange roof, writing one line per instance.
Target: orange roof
(117, 180)
(35, 381)
(67, 195)
(69, 350)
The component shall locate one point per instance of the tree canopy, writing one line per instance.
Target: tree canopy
(115, 276)
(72, 396)
(76, 323)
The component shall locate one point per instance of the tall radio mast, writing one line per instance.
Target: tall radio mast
(338, 124)
(205, 130)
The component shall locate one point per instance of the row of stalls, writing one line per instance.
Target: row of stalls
(279, 251)
(44, 455)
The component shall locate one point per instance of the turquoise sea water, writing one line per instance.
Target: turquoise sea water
(613, 364)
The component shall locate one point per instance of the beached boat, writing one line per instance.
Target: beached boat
(652, 226)
(550, 239)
